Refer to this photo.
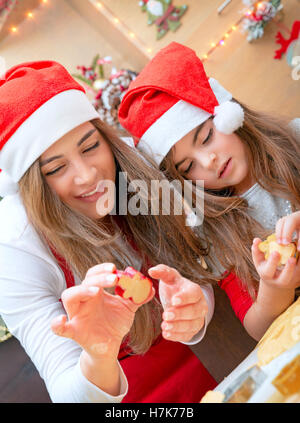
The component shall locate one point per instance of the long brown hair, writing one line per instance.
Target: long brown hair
(83, 242)
(273, 154)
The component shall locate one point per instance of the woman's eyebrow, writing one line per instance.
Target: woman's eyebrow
(85, 137)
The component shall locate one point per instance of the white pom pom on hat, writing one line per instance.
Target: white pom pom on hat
(170, 97)
(229, 116)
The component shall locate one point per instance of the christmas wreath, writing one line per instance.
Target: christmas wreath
(105, 92)
(258, 16)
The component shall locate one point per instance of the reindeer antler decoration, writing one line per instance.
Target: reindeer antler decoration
(285, 43)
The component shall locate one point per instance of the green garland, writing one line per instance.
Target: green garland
(4, 332)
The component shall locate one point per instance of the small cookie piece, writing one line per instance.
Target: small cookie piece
(286, 251)
(133, 285)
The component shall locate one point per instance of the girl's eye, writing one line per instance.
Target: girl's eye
(92, 147)
(54, 171)
(208, 136)
(84, 151)
(189, 167)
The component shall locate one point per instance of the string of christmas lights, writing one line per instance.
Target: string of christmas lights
(126, 31)
(29, 15)
(221, 42)
(111, 17)
(148, 50)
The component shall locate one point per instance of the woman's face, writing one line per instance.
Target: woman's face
(218, 159)
(75, 165)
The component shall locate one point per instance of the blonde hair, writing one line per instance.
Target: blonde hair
(273, 154)
(83, 242)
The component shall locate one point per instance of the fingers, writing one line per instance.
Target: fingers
(269, 270)
(102, 275)
(189, 293)
(188, 312)
(103, 280)
(265, 268)
(101, 268)
(257, 255)
(183, 326)
(61, 327)
(72, 297)
(290, 271)
(279, 231)
(165, 273)
(286, 226)
(80, 293)
(178, 336)
(180, 324)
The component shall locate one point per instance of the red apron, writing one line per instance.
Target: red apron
(168, 372)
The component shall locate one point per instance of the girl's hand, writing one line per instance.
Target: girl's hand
(287, 278)
(286, 226)
(96, 320)
(185, 307)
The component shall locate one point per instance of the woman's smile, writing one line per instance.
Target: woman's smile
(92, 195)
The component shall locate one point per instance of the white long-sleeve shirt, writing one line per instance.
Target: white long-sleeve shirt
(31, 284)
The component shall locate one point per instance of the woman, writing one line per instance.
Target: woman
(58, 255)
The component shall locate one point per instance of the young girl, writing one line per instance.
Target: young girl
(58, 256)
(249, 162)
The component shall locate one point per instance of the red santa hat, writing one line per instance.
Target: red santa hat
(39, 103)
(170, 97)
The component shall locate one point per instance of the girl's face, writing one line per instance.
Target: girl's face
(74, 166)
(218, 159)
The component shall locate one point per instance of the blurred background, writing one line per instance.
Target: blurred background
(251, 47)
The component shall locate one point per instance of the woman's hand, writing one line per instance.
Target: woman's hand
(286, 226)
(286, 278)
(96, 320)
(184, 304)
